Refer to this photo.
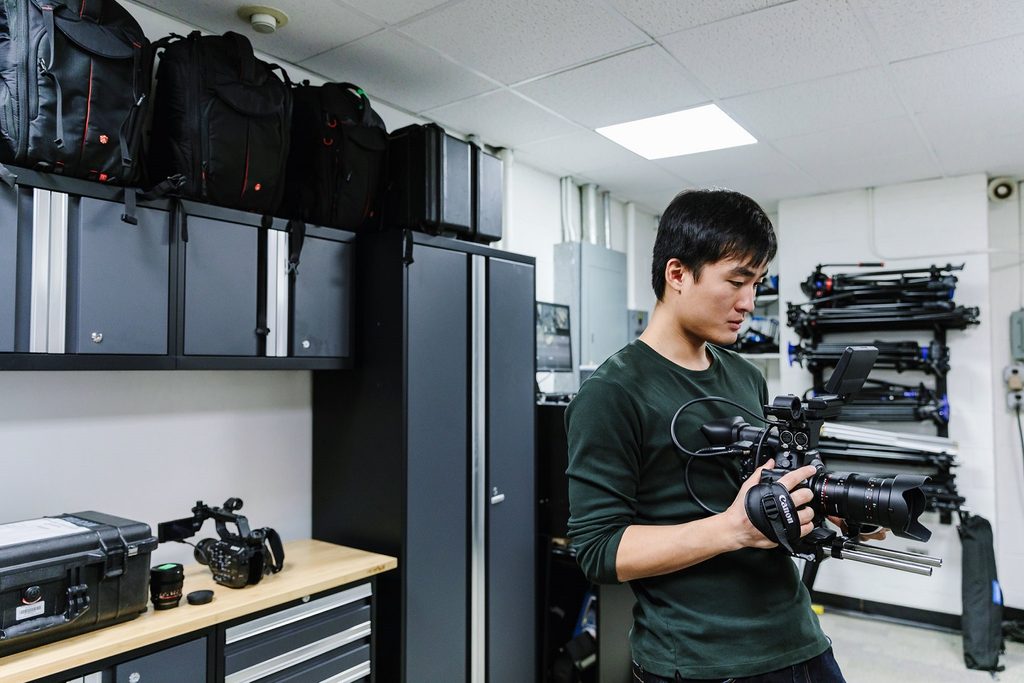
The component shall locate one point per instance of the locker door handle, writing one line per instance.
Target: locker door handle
(496, 497)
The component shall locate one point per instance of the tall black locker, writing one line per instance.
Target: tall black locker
(425, 451)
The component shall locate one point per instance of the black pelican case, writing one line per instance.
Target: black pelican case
(65, 575)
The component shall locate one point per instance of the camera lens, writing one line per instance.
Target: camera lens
(893, 502)
(165, 583)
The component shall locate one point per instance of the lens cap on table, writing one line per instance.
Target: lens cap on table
(199, 597)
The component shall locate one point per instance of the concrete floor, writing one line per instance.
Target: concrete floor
(870, 650)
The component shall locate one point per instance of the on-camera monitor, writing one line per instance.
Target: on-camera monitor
(554, 343)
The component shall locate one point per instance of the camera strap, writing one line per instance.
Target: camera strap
(272, 541)
(772, 511)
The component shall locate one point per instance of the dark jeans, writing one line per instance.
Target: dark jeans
(820, 669)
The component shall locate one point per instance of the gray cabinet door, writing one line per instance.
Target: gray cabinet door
(321, 303)
(8, 265)
(220, 288)
(117, 279)
(436, 562)
(511, 543)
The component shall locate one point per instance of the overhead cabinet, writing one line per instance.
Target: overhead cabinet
(188, 285)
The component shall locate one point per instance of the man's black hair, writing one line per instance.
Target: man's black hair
(705, 226)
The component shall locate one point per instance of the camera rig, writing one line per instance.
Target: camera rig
(861, 501)
(236, 559)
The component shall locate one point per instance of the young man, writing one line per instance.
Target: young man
(715, 599)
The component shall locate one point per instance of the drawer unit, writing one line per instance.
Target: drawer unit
(327, 639)
(186, 662)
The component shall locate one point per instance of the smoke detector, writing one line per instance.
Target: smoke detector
(263, 19)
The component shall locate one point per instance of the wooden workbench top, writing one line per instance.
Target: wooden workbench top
(310, 567)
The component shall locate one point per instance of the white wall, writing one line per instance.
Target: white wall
(910, 225)
(148, 445)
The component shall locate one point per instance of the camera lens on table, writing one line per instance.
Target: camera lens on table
(165, 582)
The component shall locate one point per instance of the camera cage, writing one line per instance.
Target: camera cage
(799, 424)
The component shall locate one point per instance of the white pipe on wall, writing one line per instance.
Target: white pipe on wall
(568, 227)
(589, 212)
(606, 207)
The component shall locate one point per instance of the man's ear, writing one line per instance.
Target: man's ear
(677, 275)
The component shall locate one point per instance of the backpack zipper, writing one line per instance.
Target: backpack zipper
(23, 82)
(199, 163)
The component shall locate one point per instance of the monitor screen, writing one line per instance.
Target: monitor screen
(554, 343)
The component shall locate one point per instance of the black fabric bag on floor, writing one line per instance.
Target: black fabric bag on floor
(982, 619)
(75, 79)
(221, 119)
(337, 155)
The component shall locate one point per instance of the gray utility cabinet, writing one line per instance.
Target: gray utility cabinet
(425, 451)
(189, 285)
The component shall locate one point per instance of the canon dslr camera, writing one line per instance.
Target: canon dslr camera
(236, 560)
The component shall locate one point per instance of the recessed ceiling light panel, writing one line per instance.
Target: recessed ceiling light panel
(700, 129)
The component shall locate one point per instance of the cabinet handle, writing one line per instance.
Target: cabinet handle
(497, 498)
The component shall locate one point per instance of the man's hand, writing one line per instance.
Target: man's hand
(746, 534)
(877, 535)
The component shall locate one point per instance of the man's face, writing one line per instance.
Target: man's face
(713, 308)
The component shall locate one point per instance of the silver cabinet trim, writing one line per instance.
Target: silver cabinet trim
(40, 294)
(478, 428)
(277, 293)
(299, 655)
(356, 673)
(297, 613)
(58, 300)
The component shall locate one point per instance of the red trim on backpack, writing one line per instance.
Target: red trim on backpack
(81, 11)
(245, 179)
(88, 106)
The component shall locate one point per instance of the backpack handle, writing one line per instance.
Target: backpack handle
(246, 58)
(358, 92)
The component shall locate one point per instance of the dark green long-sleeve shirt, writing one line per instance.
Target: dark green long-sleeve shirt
(737, 614)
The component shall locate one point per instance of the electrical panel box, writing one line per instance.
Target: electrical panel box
(1017, 335)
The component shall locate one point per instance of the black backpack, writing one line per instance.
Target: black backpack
(76, 76)
(222, 120)
(337, 156)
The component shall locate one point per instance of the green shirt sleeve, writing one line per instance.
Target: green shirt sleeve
(604, 466)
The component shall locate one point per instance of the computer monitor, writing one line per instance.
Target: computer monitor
(554, 341)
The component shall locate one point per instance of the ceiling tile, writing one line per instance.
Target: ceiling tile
(392, 67)
(985, 137)
(790, 43)
(823, 149)
(637, 84)
(394, 11)
(768, 188)
(513, 41)
(747, 160)
(825, 103)
(579, 152)
(877, 171)
(312, 28)
(635, 177)
(661, 17)
(910, 28)
(502, 119)
(960, 78)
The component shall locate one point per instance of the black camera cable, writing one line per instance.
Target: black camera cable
(1020, 432)
(714, 450)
